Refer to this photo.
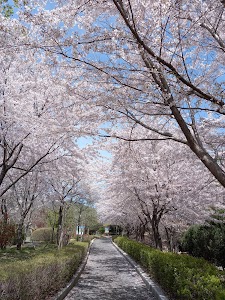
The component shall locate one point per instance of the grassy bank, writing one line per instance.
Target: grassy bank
(37, 273)
(183, 277)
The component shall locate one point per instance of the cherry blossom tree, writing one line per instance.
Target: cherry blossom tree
(38, 120)
(40, 124)
(170, 73)
(147, 73)
(67, 186)
(161, 60)
(25, 193)
(151, 183)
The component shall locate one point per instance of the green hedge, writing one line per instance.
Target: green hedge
(41, 275)
(183, 277)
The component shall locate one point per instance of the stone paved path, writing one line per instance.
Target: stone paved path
(108, 276)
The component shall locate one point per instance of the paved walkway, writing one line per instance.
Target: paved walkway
(108, 276)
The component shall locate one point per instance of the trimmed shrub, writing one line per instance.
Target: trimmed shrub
(42, 275)
(42, 235)
(181, 276)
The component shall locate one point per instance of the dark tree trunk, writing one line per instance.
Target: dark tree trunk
(59, 229)
(156, 234)
(53, 233)
(4, 211)
(140, 231)
(78, 225)
(171, 238)
(20, 235)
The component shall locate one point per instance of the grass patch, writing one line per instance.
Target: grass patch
(183, 277)
(37, 273)
(12, 255)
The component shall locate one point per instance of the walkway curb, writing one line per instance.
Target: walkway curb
(63, 293)
(156, 291)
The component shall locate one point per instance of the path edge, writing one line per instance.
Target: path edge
(151, 285)
(65, 291)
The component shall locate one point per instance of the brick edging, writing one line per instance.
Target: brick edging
(63, 293)
(151, 285)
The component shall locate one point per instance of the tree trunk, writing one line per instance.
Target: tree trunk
(156, 234)
(168, 239)
(140, 233)
(201, 153)
(4, 211)
(128, 231)
(60, 243)
(78, 226)
(137, 234)
(63, 236)
(53, 233)
(59, 229)
(20, 234)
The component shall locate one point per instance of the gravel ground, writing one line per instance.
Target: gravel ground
(108, 276)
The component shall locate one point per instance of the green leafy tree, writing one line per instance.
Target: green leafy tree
(52, 221)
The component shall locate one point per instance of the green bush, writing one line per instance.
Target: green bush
(41, 274)
(207, 241)
(42, 235)
(181, 276)
(101, 230)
